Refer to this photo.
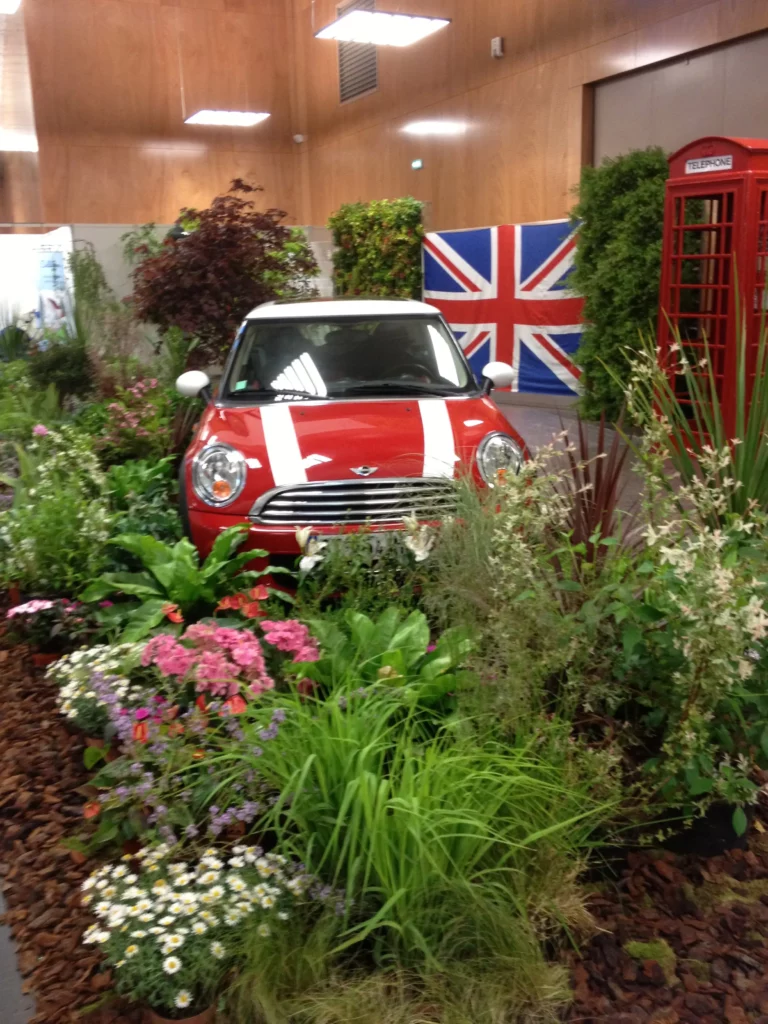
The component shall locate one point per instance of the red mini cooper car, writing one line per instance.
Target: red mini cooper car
(333, 413)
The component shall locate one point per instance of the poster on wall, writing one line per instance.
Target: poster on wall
(504, 291)
(35, 286)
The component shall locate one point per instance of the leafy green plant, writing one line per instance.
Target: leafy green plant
(378, 248)
(23, 407)
(617, 269)
(53, 539)
(722, 466)
(392, 650)
(65, 363)
(437, 844)
(141, 243)
(14, 341)
(143, 495)
(230, 258)
(174, 585)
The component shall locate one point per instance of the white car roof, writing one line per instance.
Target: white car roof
(344, 307)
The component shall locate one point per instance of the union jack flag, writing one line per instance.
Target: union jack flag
(504, 291)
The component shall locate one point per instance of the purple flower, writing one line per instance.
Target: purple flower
(257, 751)
(142, 713)
(278, 715)
(122, 792)
(191, 831)
(269, 733)
(136, 767)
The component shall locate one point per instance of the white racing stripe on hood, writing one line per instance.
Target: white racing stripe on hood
(439, 450)
(282, 445)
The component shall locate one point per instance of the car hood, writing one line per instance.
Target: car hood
(288, 443)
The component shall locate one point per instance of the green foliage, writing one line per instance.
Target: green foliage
(174, 580)
(22, 407)
(65, 363)
(436, 842)
(14, 341)
(53, 539)
(144, 497)
(618, 263)
(378, 248)
(392, 650)
(140, 243)
(720, 476)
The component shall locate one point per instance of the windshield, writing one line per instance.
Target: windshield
(322, 358)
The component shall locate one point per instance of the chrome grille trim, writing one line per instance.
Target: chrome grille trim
(378, 502)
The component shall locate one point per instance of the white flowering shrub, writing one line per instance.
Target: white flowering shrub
(53, 538)
(75, 675)
(171, 930)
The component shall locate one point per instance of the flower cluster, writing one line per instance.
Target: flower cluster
(83, 697)
(219, 661)
(170, 929)
(139, 421)
(293, 637)
(50, 624)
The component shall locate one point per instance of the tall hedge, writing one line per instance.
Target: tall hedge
(618, 264)
(378, 248)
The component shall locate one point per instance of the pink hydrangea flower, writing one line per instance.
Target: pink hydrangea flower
(40, 430)
(293, 637)
(30, 608)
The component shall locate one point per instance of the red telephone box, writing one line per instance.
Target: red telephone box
(715, 224)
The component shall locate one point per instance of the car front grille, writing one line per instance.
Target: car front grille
(356, 501)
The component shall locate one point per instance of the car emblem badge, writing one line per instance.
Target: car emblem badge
(365, 470)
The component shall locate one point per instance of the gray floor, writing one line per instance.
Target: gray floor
(15, 1007)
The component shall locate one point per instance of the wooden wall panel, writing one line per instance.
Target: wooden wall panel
(113, 81)
(526, 142)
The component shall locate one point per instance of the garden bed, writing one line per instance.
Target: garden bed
(682, 939)
(41, 770)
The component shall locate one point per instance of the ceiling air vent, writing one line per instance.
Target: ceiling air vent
(358, 63)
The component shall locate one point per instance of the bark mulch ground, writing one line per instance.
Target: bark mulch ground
(682, 939)
(41, 769)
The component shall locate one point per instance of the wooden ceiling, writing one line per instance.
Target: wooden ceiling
(113, 81)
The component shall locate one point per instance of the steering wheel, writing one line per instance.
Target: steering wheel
(411, 370)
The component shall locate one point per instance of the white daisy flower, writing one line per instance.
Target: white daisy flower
(102, 908)
(120, 871)
(209, 877)
(183, 999)
(283, 915)
(156, 931)
(187, 898)
(131, 950)
(217, 950)
(263, 930)
(236, 884)
(199, 928)
(139, 934)
(171, 965)
(174, 940)
(216, 892)
(167, 921)
(176, 869)
(236, 862)
(146, 918)
(175, 908)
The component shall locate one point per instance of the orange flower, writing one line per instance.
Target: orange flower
(229, 603)
(200, 702)
(140, 732)
(171, 611)
(91, 809)
(236, 705)
(198, 755)
(175, 729)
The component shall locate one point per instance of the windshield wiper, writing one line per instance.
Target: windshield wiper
(250, 392)
(374, 386)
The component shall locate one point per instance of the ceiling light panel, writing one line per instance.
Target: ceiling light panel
(226, 118)
(9, 6)
(382, 29)
(436, 128)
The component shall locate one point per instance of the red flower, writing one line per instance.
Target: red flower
(91, 809)
(140, 732)
(201, 703)
(236, 705)
(306, 687)
(171, 611)
(229, 603)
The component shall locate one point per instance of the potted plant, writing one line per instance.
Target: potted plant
(49, 625)
(169, 929)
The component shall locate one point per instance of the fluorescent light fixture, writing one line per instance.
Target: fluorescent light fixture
(9, 6)
(381, 29)
(14, 141)
(417, 165)
(436, 128)
(226, 118)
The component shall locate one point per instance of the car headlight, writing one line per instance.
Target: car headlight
(218, 474)
(498, 453)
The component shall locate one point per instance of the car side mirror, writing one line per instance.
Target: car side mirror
(497, 375)
(195, 384)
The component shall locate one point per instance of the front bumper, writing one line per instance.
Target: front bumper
(205, 527)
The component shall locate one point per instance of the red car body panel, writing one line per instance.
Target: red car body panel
(333, 437)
